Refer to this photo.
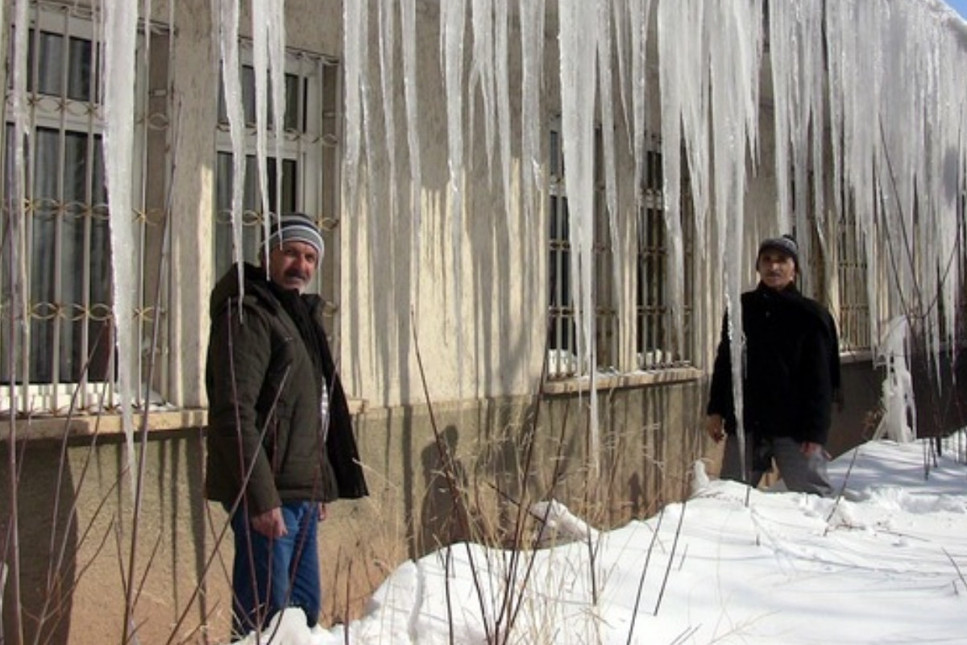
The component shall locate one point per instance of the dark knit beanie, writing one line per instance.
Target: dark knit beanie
(785, 244)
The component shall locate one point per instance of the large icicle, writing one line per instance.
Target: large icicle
(268, 62)
(502, 81)
(453, 22)
(232, 84)
(260, 67)
(482, 69)
(120, 30)
(18, 208)
(355, 34)
(410, 88)
(605, 84)
(532, 78)
(796, 54)
(578, 35)
(734, 32)
(275, 16)
(683, 76)
(899, 404)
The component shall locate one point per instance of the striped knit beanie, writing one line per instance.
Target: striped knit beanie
(296, 227)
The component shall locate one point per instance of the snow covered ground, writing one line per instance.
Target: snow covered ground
(884, 563)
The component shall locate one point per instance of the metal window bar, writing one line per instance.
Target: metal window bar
(562, 330)
(67, 347)
(854, 306)
(655, 334)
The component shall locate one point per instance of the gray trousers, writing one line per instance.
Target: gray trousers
(800, 473)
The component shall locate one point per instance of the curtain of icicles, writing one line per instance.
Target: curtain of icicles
(865, 92)
(869, 92)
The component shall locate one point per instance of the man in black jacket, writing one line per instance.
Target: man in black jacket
(279, 442)
(790, 372)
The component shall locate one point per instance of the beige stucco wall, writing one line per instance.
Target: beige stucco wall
(182, 548)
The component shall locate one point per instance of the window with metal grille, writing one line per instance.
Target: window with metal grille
(656, 342)
(63, 357)
(308, 158)
(854, 306)
(562, 341)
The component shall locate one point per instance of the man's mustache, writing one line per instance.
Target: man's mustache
(295, 273)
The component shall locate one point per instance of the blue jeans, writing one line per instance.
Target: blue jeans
(269, 575)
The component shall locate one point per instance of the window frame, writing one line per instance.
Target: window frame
(562, 360)
(312, 146)
(65, 116)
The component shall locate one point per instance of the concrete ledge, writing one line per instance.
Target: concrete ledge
(107, 424)
(51, 427)
(618, 381)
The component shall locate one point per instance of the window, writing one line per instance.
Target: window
(64, 355)
(854, 307)
(562, 342)
(655, 338)
(308, 159)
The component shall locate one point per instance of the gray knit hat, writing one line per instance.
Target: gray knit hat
(297, 227)
(785, 244)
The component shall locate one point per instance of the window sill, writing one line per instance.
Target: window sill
(577, 384)
(109, 424)
(855, 356)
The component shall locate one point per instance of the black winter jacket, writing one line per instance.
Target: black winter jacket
(264, 404)
(791, 367)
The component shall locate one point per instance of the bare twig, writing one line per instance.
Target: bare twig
(960, 573)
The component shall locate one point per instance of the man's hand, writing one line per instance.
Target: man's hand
(715, 427)
(809, 448)
(270, 523)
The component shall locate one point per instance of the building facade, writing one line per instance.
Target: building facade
(535, 215)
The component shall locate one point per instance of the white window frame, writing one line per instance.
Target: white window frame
(309, 148)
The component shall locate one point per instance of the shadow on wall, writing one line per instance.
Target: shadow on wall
(443, 520)
(47, 541)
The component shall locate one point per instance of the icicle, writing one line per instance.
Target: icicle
(684, 109)
(410, 87)
(120, 29)
(260, 66)
(502, 80)
(482, 69)
(532, 65)
(453, 17)
(734, 33)
(640, 11)
(18, 220)
(684, 83)
(578, 35)
(605, 85)
(275, 19)
(796, 53)
(620, 20)
(232, 84)
(387, 65)
(898, 400)
(354, 60)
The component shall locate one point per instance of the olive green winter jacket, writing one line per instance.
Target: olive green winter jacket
(266, 435)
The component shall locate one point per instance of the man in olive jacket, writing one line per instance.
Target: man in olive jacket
(279, 442)
(790, 374)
